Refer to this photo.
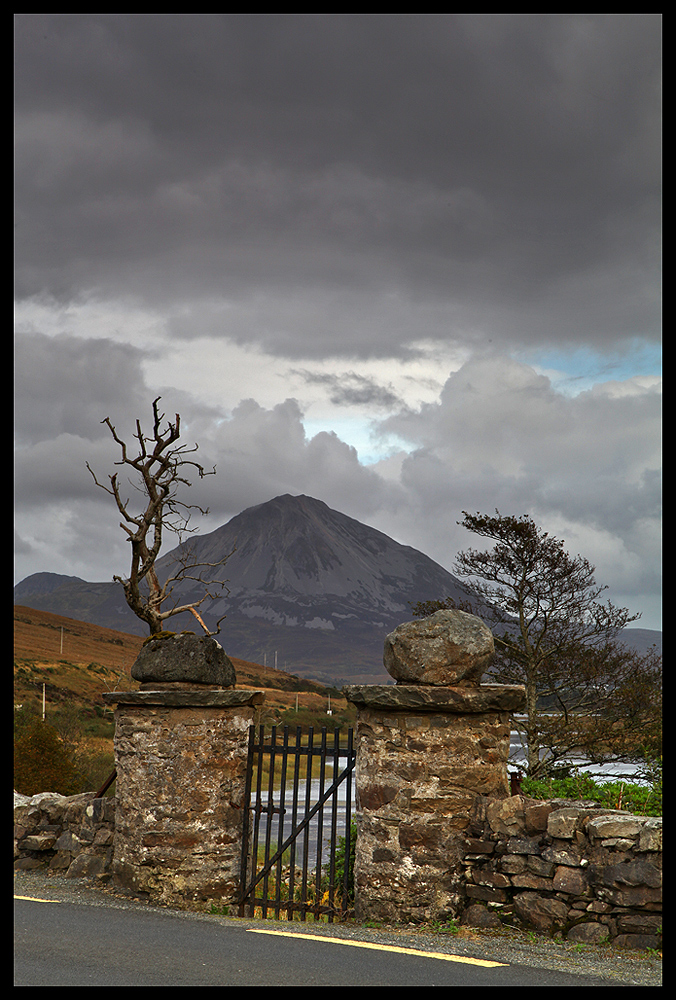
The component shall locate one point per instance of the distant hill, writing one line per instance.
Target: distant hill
(46, 637)
(641, 639)
(71, 664)
(77, 662)
(309, 586)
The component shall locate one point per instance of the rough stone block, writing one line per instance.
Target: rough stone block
(632, 873)
(650, 835)
(38, 842)
(522, 845)
(539, 866)
(477, 915)
(638, 941)
(614, 825)
(86, 865)
(535, 816)
(588, 932)
(562, 823)
(527, 880)
(513, 864)
(506, 815)
(543, 914)
(570, 880)
(444, 649)
(560, 856)
(487, 893)
(184, 658)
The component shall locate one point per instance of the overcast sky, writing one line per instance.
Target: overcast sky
(406, 264)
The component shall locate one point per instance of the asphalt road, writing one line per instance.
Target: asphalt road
(82, 936)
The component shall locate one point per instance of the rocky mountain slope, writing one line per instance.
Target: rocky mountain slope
(308, 589)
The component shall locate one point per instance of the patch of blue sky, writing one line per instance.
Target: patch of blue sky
(358, 433)
(574, 371)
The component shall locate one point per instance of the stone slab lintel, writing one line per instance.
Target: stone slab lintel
(209, 697)
(426, 698)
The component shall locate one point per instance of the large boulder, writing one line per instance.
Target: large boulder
(184, 658)
(447, 648)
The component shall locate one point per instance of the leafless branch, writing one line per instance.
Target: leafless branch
(159, 467)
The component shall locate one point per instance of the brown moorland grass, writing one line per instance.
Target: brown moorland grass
(74, 663)
(78, 660)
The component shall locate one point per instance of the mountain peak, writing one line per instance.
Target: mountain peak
(306, 585)
(43, 583)
(297, 545)
(304, 579)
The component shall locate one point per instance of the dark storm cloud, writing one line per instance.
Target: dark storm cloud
(68, 385)
(351, 389)
(422, 97)
(260, 453)
(506, 168)
(216, 207)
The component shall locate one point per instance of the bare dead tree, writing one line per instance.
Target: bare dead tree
(160, 466)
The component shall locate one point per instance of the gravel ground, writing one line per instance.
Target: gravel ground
(618, 966)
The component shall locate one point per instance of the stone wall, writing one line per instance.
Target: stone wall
(556, 867)
(438, 835)
(562, 867)
(71, 834)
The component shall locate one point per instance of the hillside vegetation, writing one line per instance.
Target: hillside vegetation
(74, 663)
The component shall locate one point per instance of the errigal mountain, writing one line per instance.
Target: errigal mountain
(310, 590)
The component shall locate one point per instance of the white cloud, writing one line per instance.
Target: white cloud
(587, 468)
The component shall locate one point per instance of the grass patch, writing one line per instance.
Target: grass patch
(642, 800)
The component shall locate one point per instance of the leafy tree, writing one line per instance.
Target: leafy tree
(585, 691)
(159, 467)
(41, 759)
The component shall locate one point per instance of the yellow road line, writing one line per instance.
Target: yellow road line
(382, 947)
(34, 899)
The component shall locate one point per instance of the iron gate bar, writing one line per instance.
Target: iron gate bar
(320, 824)
(294, 823)
(257, 752)
(268, 825)
(348, 830)
(304, 824)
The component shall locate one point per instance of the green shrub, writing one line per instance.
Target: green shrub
(41, 760)
(306, 718)
(642, 800)
(53, 756)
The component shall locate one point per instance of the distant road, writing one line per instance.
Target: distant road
(71, 944)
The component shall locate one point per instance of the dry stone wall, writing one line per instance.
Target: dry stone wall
(556, 867)
(564, 868)
(71, 834)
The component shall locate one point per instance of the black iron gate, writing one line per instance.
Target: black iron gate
(297, 844)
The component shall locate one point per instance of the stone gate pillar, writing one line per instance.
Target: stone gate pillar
(426, 747)
(180, 754)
